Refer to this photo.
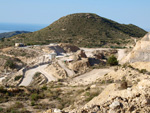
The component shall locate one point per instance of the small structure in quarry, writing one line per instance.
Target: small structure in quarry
(19, 45)
(52, 56)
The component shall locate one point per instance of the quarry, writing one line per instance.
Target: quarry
(81, 63)
(48, 80)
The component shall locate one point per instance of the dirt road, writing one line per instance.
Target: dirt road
(30, 73)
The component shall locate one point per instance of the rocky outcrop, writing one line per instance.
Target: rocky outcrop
(78, 55)
(113, 100)
(141, 51)
(56, 70)
(79, 66)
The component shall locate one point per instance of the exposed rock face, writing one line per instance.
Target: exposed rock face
(69, 47)
(56, 70)
(141, 52)
(79, 66)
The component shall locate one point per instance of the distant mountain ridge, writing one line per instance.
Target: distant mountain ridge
(84, 30)
(10, 34)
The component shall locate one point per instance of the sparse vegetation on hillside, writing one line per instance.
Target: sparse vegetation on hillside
(83, 29)
(56, 94)
(10, 34)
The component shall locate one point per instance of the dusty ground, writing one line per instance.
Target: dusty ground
(89, 77)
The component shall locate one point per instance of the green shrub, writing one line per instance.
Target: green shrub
(37, 74)
(44, 87)
(2, 90)
(91, 95)
(18, 77)
(18, 105)
(34, 97)
(1, 109)
(112, 60)
(143, 71)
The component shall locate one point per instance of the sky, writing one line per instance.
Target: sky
(47, 11)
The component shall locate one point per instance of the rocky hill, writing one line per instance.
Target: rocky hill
(83, 29)
(10, 34)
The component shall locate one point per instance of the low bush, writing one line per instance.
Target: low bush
(112, 60)
(18, 77)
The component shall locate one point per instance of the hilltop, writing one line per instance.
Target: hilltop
(84, 30)
(10, 34)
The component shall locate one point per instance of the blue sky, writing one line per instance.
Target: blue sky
(48, 11)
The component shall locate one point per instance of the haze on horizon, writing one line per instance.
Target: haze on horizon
(45, 12)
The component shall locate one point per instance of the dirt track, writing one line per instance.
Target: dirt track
(30, 73)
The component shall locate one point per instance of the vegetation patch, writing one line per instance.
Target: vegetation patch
(18, 77)
(112, 60)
